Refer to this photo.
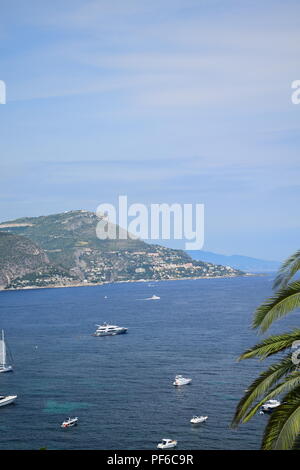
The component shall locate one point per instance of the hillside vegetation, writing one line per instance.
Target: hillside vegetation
(63, 249)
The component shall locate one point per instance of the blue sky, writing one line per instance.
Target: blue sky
(183, 101)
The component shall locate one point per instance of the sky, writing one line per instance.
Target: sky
(168, 101)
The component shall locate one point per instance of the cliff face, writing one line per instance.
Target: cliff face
(19, 256)
(63, 249)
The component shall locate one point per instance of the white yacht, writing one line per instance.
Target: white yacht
(167, 444)
(109, 330)
(154, 297)
(68, 423)
(7, 400)
(269, 406)
(198, 419)
(180, 380)
(4, 367)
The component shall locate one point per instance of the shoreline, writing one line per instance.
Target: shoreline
(94, 284)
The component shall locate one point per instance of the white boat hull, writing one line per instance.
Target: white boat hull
(70, 424)
(7, 400)
(6, 369)
(199, 420)
(268, 409)
(121, 331)
(270, 406)
(178, 383)
(167, 446)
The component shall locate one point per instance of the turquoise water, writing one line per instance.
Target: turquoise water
(121, 387)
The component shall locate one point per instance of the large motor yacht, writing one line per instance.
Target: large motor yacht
(109, 330)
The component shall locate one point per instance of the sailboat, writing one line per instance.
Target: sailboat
(4, 367)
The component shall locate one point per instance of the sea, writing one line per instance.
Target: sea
(120, 387)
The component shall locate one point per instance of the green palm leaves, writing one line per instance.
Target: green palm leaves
(272, 345)
(283, 377)
(288, 270)
(284, 424)
(282, 303)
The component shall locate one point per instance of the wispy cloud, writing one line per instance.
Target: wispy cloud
(210, 58)
(164, 100)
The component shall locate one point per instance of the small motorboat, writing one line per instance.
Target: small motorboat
(198, 419)
(180, 380)
(68, 423)
(269, 406)
(167, 444)
(7, 400)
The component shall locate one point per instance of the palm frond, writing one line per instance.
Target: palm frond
(284, 424)
(290, 382)
(271, 345)
(261, 386)
(283, 302)
(283, 428)
(287, 270)
(296, 445)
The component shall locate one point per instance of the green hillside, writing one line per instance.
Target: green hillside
(70, 252)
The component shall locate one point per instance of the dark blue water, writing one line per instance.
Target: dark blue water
(121, 387)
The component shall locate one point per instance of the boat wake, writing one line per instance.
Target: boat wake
(154, 297)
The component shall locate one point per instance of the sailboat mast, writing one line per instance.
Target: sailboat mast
(3, 350)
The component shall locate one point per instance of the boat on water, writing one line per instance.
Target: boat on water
(109, 330)
(198, 419)
(68, 423)
(269, 406)
(180, 380)
(7, 400)
(167, 444)
(154, 297)
(4, 366)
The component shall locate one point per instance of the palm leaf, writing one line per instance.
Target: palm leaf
(284, 424)
(288, 270)
(283, 302)
(271, 345)
(283, 428)
(296, 445)
(289, 383)
(261, 386)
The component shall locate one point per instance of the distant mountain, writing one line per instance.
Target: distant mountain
(245, 263)
(63, 249)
